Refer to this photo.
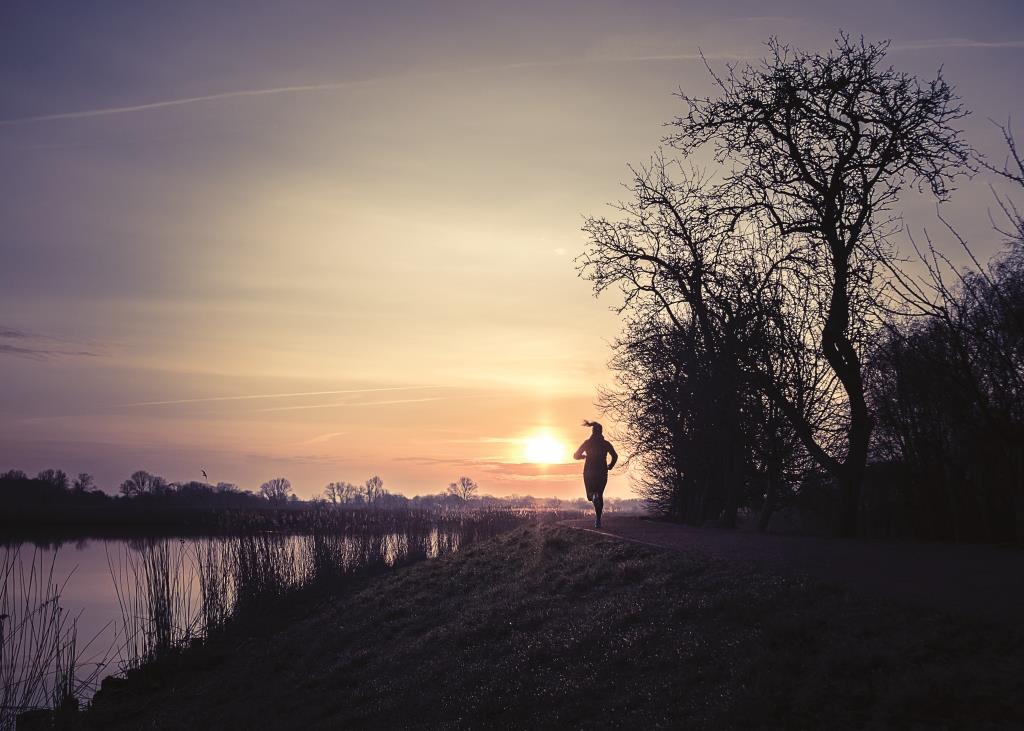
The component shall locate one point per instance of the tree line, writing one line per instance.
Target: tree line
(775, 351)
(52, 490)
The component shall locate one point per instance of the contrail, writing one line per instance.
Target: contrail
(273, 395)
(108, 111)
(324, 437)
(352, 84)
(341, 85)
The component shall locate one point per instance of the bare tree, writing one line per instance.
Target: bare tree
(700, 293)
(84, 482)
(57, 478)
(948, 384)
(669, 255)
(820, 146)
(464, 488)
(340, 493)
(277, 490)
(143, 483)
(373, 490)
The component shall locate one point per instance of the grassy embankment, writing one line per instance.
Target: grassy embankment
(546, 626)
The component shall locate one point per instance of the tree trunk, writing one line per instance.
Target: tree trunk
(771, 495)
(843, 359)
(850, 480)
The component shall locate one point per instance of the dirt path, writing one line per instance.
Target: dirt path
(983, 581)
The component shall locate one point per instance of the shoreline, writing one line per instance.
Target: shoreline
(603, 632)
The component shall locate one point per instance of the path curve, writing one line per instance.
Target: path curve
(986, 582)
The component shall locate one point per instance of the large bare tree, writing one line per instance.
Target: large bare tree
(464, 488)
(820, 146)
(277, 490)
(685, 277)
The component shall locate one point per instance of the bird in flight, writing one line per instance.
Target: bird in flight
(204, 475)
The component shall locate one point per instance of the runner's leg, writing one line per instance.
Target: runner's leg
(594, 488)
(596, 484)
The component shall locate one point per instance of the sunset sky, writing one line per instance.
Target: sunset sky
(330, 240)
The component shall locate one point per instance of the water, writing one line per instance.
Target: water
(86, 588)
(108, 589)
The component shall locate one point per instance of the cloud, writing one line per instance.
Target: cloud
(295, 459)
(486, 440)
(320, 438)
(355, 403)
(6, 332)
(352, 84)
(183, 101)
(36, 353)
(362, 83)
(34, 346)
(248, 397)
(953, 43)
(526, 471)
(529, 470)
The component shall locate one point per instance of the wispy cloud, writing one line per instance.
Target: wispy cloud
(253, 396)
(695, 56)
(339, 404)
(351, 84)
(183, 101)
(40, 353)
(321, 438)
(954, 43)
(509, 470)
(486, 440)
(34, 346)
(531, 471)
(361, 83)
(6, 332)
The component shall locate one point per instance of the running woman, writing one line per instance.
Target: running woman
(595, 470)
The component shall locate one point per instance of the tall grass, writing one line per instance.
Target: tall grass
(216, 586)
(154, 582)
(171, 593)
(42, 664)
(266, 566)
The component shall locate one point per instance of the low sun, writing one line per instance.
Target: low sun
(544, 449)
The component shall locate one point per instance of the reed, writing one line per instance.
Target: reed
(42, 664)
(171, 595)
(214, 570)
(154, 582)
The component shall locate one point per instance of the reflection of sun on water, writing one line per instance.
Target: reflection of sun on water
(544, 449)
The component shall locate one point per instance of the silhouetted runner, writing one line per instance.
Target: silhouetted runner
(595, 470)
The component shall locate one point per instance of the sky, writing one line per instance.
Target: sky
(327, 240)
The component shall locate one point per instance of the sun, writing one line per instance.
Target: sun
(544, 449)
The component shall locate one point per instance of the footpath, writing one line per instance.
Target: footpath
(986, 582)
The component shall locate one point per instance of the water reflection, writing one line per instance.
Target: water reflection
(132, 599)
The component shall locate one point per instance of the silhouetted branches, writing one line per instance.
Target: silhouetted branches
(761, 287)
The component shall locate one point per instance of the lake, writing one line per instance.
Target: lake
(130, 600)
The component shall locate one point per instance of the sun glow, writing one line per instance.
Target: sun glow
(544, 449)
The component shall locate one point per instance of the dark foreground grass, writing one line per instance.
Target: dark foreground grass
(550, 627)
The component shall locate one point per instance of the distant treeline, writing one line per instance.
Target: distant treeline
(778, 356)
(53, 503)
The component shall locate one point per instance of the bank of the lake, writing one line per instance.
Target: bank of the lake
(547, 626)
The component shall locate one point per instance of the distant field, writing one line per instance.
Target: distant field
(546, 626)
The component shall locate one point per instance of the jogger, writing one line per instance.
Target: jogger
(596, 451)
